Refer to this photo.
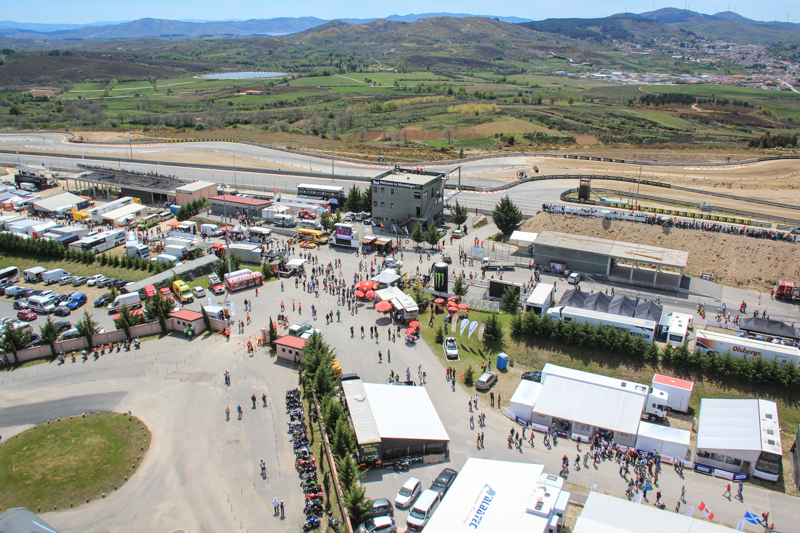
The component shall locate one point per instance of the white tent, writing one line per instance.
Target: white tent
(387, 277)
(523, 238)
(389, 293)
(524, 397)
(296, 263)
(669, 442)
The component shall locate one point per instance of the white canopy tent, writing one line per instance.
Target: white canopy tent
(524, 398)
(389, 293)
(387, 277)
(523, 238)
(669, 442)
(296, 263)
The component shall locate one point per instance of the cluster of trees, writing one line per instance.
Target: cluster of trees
(667, 98)
(15, 339)
(358, 201)
(781, 140)
(317, 376)
(611, 340)
(191, 209)
(419, 235)
(41, 249)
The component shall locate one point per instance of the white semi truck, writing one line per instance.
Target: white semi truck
(655, 407)
(248, 253)
(637, 327)
(740, 347)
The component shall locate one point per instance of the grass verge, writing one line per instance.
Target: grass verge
(72, 460)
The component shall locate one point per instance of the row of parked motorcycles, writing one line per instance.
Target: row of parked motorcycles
(306, 465)
(99, 350)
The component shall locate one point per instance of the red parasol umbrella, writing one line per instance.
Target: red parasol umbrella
(438, 301)
(365, 285)
(462, 306)
(410, 331)
(414, 324)
(359, 294)
(370, 295)
(383, 306)
(452, 298)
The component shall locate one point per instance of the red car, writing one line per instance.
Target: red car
(166, 293)
(27, 314)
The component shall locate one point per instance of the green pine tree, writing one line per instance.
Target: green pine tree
(417, 234)
(459, 214)
(507, 216)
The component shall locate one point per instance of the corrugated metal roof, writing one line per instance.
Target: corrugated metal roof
(628, 251)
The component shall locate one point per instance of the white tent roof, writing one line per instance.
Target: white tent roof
(386, 277)
(296, 262)
(607, 514)
(524, 398)
(733, 424)
(509, 485)
(51, 203)
(590, 403)
(360, 412)
(389, 293)
(523, 238)
(403, 412)
(664, 433)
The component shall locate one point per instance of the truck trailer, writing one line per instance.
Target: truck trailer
(248, 253)
(679, 391)
(739, 347)
(637, 327)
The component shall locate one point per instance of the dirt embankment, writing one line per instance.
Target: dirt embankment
(734, 260)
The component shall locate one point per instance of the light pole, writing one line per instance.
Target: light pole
(639, 181)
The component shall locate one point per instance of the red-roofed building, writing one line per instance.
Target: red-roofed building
(237, 204)
(290, 348)
(183, 319)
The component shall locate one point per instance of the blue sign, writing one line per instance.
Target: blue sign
(704, 469)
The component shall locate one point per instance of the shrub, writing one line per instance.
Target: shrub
(469, 376)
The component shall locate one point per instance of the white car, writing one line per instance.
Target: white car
(450, 348)
(198, 292)
(63, 280)
(94, 280)
(574, 278)
(408, 493)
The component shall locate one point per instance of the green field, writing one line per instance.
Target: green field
(71, 460)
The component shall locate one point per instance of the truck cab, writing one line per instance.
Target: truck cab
(656, 407)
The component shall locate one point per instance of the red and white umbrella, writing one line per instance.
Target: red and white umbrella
(359, 294)
(414, 324)
(369, 295)
(383, 307)
(438, 301)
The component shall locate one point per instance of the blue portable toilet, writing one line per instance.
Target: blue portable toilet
(502, 361)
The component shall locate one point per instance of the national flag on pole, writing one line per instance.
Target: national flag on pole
(706, 511)
(82, 158)
(394, 230)
(406, 228)
(373, 223)
(752, 518)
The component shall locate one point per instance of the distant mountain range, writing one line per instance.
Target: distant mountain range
(727, 26)
(149, 27)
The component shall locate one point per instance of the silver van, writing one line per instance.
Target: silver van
(423, 509)
(284, 221)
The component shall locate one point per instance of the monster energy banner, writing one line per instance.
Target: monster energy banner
(440, 277)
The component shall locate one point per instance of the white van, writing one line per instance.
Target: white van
(423, 509)
(310, 224)
(132, 300)
(43, 305)
(284, 221)
(166, 258)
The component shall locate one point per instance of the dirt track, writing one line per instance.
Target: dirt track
(736, 261)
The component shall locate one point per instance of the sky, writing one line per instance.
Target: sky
(87, 11)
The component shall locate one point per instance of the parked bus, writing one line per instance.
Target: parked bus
(311, 235)
(320, 191)
(101, 242)
(10, 274)
(149, 221)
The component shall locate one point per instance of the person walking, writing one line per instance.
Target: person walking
(658, 498)
(388, 356)
(276, 506)
(491, 398)
(727, 493)
(683, 494)
(283, 510)
(739, 494)
(380, 357)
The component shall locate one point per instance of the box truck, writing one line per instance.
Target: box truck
(679, 391)
(138, 250)
(34, 274)
(541, 299)
(190, 244)
(740, 347)
(248, 253)
(178, 250)
(52, 276)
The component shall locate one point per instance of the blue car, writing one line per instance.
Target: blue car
(77, 300)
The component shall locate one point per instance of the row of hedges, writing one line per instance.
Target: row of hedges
(199, 140)
(723, 367)
(50, 250)
(317, 375)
